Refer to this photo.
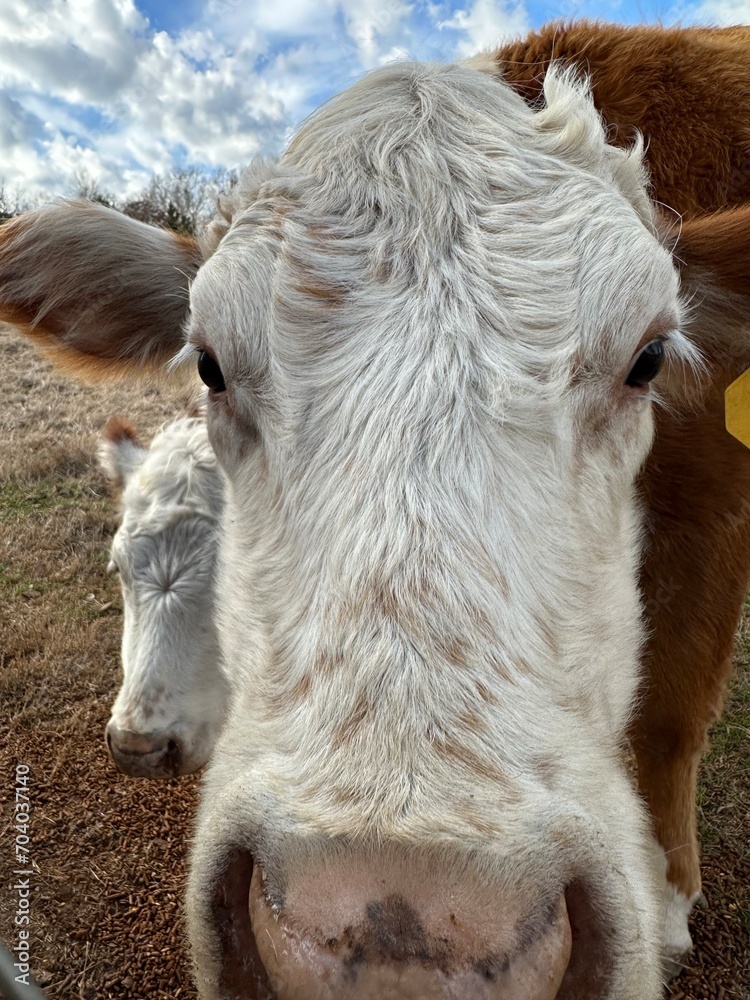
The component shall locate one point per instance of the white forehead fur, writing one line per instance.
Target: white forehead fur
(569, 127)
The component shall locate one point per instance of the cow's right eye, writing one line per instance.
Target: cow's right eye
(210, 373)
(647, 365)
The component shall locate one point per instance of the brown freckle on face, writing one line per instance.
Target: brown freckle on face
(301, 689)
(471, 761)
(485, 694)
(546, 766)
(482, 825)
(313, 285)
(147, 711)
(329, 294)
(472, 721)
(328, 661)
(348, 729)
(345, 795)
(548, 634)
(385, 601)
(453, 649)
(501, 669)
(482, 625)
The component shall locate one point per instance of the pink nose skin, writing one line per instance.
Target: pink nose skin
(343, 934)
(152, 755)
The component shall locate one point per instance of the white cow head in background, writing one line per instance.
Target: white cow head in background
(172, 701)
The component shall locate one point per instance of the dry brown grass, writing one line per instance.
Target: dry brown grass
(109, 851)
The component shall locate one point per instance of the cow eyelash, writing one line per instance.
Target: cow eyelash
(186, 355)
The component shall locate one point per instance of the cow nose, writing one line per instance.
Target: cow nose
(340, 934)
(144, 755)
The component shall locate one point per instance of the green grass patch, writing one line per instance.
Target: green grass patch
(14, 584)
(22, 500)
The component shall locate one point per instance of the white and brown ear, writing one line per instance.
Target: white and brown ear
(97, 290)
(713, 255)
(120, 452)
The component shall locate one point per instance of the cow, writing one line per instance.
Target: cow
(172, 701)
(439, 334)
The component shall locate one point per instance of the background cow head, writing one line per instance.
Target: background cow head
(172, 701)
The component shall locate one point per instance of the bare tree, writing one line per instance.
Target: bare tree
(184, 199)
(84, 186)
(12, 204)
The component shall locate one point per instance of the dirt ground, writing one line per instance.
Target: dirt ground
(108, 852)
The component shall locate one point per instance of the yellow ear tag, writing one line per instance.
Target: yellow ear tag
(737, 408)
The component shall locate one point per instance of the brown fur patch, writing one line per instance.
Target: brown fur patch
(485, 694)
(655, 80)
(472, 722)
(720, 244)
(455, 650)
(547, 767)
(347, 731)
(329, 294)
(501, 669)
(300, 690)
(451, 750)
(116, 430)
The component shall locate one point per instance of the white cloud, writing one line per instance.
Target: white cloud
(487, 23)
(718, 13)
(90, 84)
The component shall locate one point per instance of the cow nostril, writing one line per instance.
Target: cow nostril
(242, 967)
(173, 754)
(589, 972)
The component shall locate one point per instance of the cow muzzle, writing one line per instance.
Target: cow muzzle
(145, 755)
(397, 930)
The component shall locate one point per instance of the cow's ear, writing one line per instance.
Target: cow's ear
(95, 289)
(120, 452)
(713, 254)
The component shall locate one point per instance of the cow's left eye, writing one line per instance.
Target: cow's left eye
(210, 373)
(647, 365)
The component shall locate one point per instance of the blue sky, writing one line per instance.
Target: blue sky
(120, 89)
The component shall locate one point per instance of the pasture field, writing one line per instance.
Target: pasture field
(109, 852)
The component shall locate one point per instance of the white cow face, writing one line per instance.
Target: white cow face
(171, 705)
(431, 332)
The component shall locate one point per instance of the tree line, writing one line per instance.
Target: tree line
(182, 199)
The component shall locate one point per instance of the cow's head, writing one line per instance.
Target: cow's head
(172, 701)
(430, 333)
